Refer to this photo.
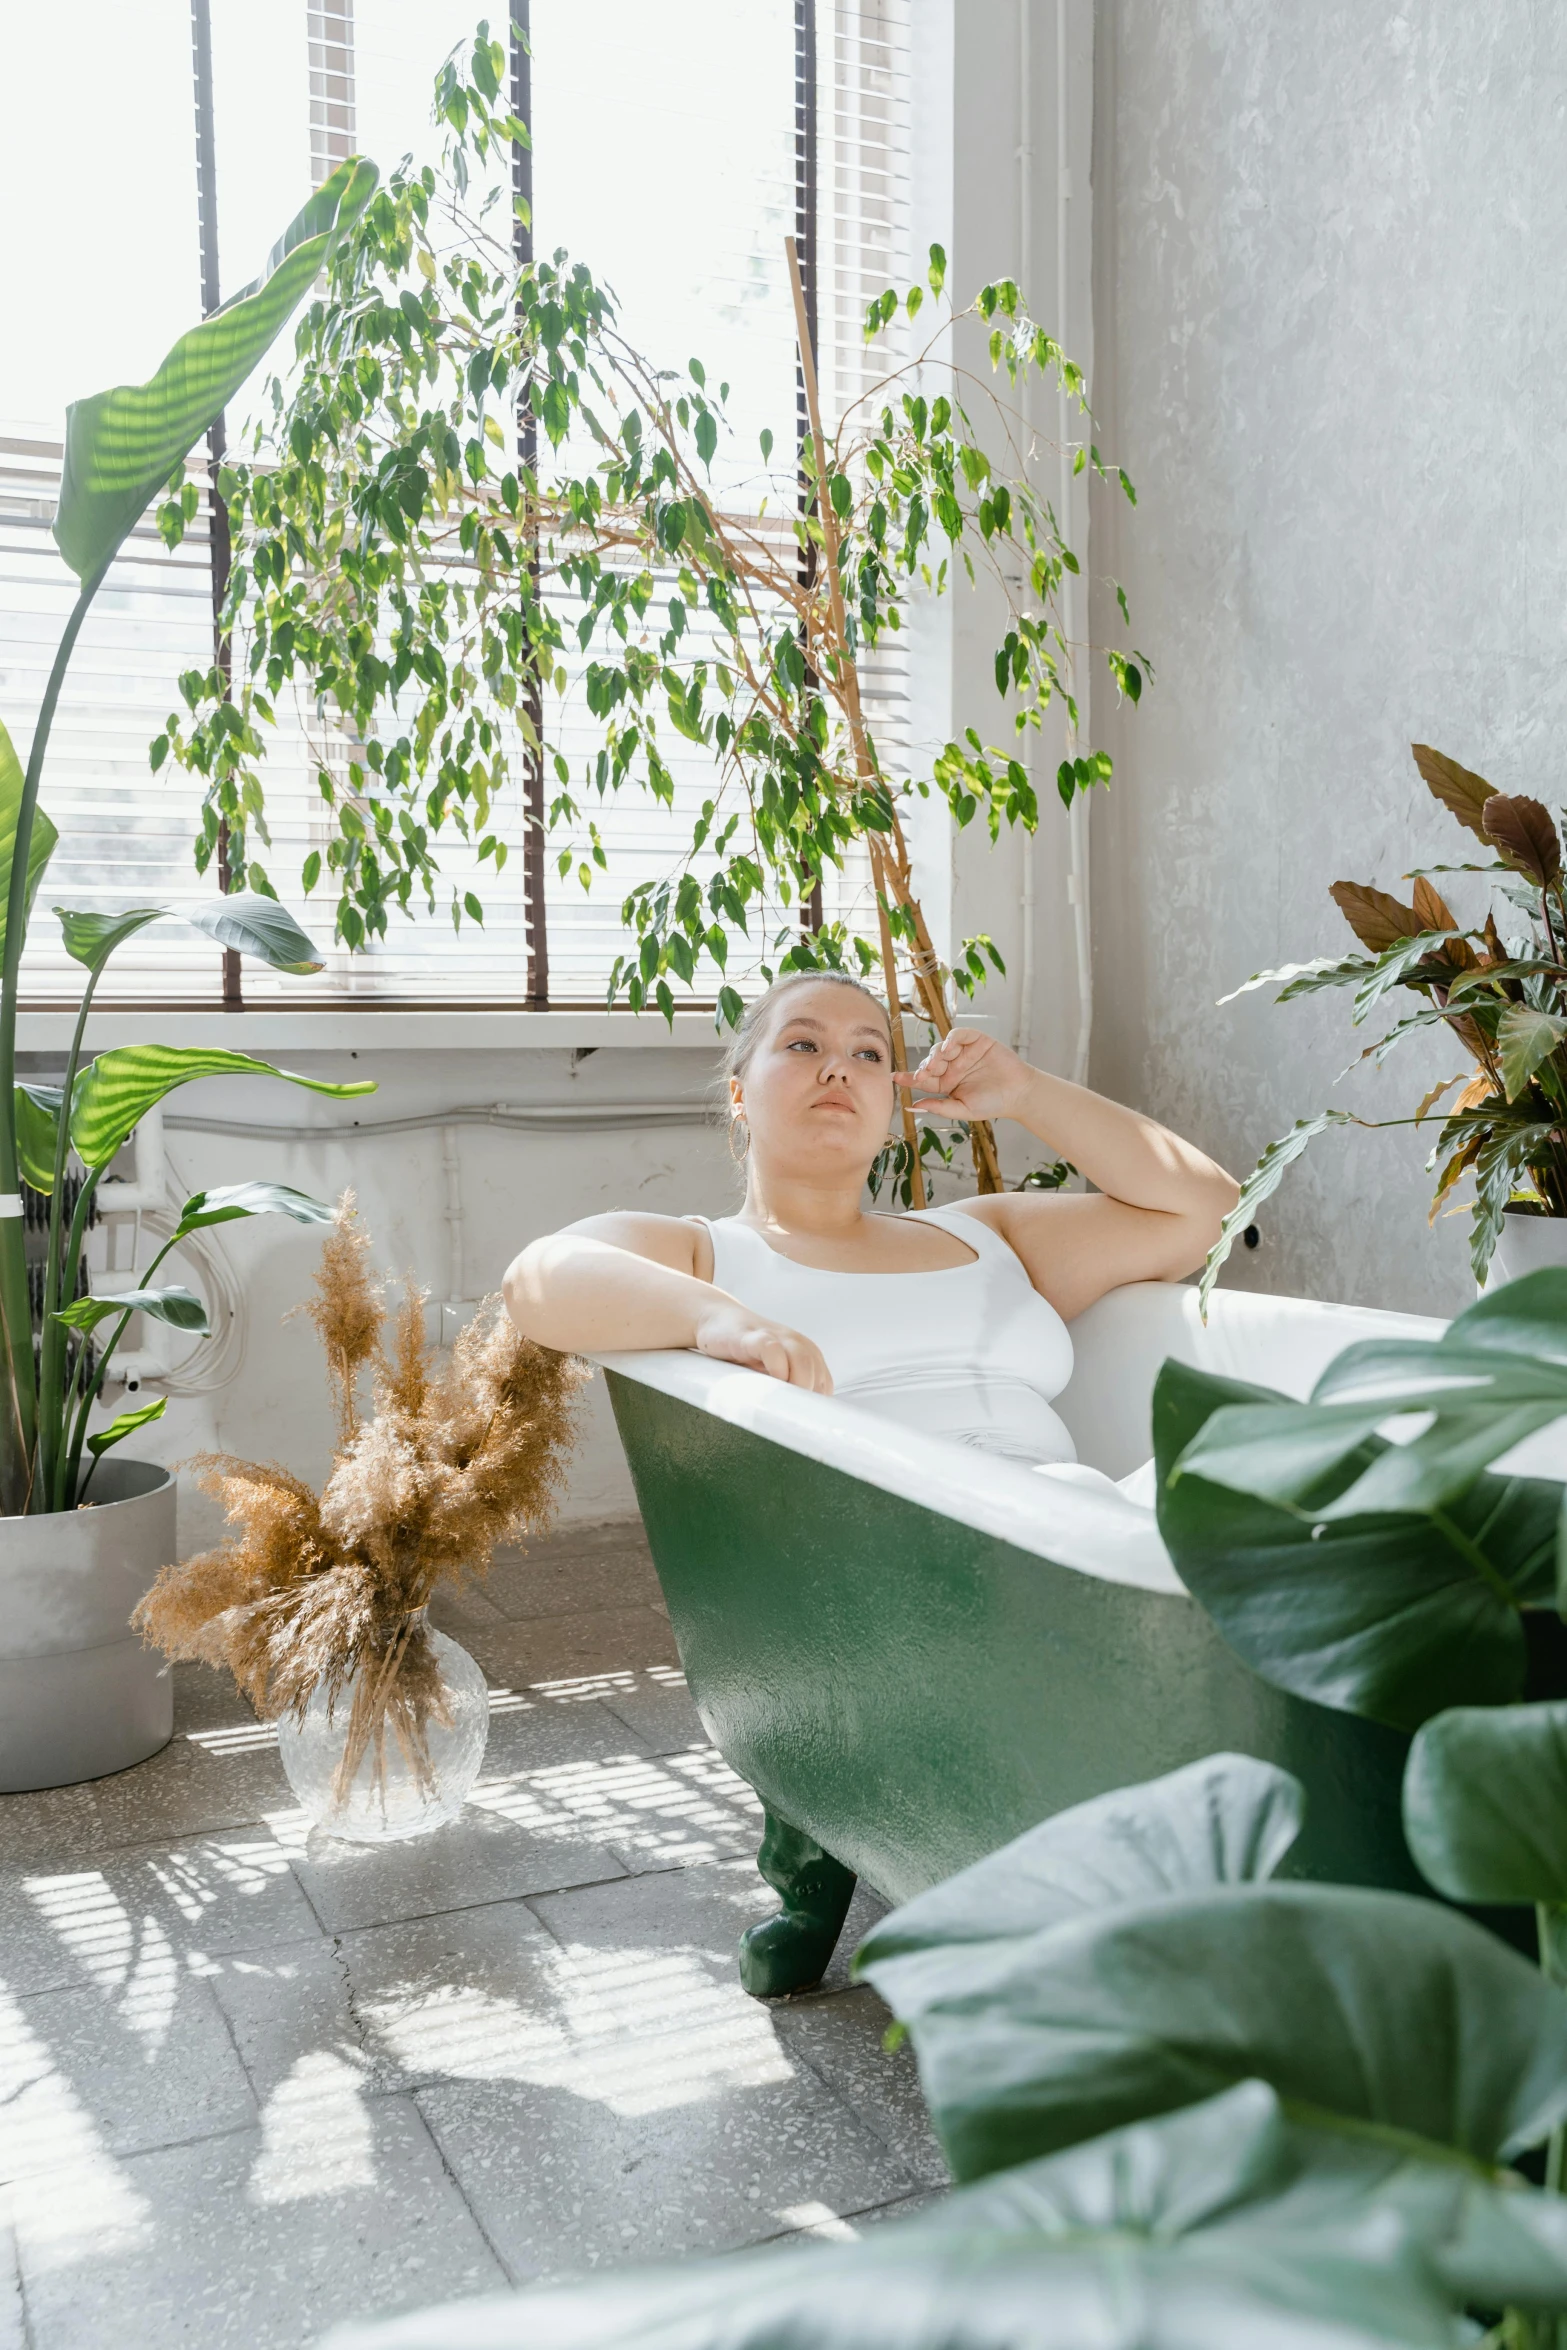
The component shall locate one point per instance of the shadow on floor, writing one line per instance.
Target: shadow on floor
(253, 2085)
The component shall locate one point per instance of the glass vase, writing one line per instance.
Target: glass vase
(419, 1736)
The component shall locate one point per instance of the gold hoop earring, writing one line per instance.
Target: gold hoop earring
(737, 1125)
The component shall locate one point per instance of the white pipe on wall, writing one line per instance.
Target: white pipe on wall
(150, 1188)
(1074, 589)
(1075, 596)
(453, 1165)
(1025, 272)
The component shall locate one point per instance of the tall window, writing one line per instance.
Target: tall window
(693, 130)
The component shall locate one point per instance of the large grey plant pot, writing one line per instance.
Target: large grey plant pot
(79, 1694)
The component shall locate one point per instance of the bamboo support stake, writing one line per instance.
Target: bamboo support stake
(887, 867)
(900, 1056)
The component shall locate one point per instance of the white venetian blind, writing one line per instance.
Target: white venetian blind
(623, 97)
(863, 214)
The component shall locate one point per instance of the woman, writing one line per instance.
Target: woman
(951, 1321)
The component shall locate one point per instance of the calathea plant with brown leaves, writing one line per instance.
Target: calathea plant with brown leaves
(1502, 998)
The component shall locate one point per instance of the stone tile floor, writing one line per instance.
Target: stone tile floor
(251, 2084)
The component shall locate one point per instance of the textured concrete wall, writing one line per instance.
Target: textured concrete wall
(1330, 350)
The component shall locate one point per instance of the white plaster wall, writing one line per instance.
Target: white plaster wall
(1331, 355)
(1017, 149)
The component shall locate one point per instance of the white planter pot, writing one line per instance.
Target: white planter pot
(1526, 1245)
(79, 1694)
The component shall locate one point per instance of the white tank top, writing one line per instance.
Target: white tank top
(972, 1352)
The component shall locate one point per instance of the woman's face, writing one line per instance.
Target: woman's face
(817, 1092)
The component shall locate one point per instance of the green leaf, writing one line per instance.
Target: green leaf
(255, 925)
(1526, 1318)
(1396, 966)
(1225, 2227)
(37, 1132)
(1390, 1615)
(121, 446)
(1356, 2007)
(91, 939)
(224, 1203)
(1524, 1039)
(1304, 978)
(1221, 1821)
(40, 847)
(1504, 1164)
(126, 1425)
(1485, 1803)
(1486, 1398)
(178, 1307)
(1383, 1579)
(117, 1091)
(1261, 1184)
(1371, 975)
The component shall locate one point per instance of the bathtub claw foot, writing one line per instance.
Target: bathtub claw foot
(790, 1952)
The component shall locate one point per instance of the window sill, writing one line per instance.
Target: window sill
(272, 1028)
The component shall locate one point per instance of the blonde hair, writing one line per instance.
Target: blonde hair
(748, 1035)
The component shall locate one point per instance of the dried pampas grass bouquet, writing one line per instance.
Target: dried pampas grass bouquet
(316, 1604)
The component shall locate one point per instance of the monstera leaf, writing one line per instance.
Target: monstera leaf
(1382, 1578)
(1225, 1820)
(117, 1091)
(1221, 2228)
(122, 445)
(1149, 1992)
(1485, 1803)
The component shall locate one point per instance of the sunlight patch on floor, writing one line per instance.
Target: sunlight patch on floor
(317, 2135)
(679, 1808)
(66, 2193)
(637, 2030)
(235, 1738)
(118, 1953)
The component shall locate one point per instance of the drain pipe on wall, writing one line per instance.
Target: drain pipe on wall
(458, 1307)
(1025, 270)
(1076, 599)
(1073, 589)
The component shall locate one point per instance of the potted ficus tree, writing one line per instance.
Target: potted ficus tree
(475, 484)
(79, 1696)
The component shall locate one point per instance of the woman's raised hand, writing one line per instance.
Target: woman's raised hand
(733, 1334)
(969, 1073)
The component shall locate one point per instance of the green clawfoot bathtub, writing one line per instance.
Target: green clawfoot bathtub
(913, 1651)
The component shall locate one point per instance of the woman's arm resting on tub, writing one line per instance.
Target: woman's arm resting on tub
(632, 1283)
(1161, 1200)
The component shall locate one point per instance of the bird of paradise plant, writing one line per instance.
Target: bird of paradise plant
(121, 447)
(1505, 1002)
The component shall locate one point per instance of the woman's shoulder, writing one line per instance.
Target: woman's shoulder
(683, 1243)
